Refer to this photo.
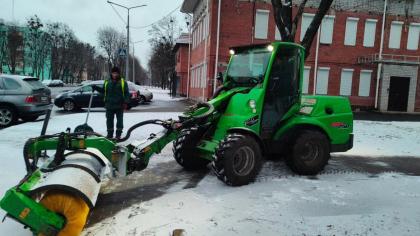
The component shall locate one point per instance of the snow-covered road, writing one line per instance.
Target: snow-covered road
(342, 201)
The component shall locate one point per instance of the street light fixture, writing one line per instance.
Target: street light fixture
(128, 32)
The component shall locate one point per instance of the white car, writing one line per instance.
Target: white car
(145, 95)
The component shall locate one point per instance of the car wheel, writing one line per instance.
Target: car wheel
(8, 116)
(69, 105)
(142, 99)
(29, 118)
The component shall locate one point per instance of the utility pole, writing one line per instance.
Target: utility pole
(127, 61)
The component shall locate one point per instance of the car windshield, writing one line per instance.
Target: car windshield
(249, 66)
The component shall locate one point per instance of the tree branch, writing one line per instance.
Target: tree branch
(297, 18)
(324, 6)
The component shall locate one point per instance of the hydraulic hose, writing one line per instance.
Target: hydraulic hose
(147, 122)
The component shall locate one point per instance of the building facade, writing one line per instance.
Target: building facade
(374, 62)
(182, 48)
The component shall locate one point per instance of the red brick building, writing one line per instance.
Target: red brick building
(352, 46)
(182, 47)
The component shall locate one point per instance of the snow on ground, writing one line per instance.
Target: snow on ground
(163, 95)
(279, 203)
(381, 139)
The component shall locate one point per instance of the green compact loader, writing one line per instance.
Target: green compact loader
(258, 111)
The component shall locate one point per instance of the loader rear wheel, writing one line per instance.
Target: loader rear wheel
(309, 153)
(73, 208)
(238, 160)
(184, 150)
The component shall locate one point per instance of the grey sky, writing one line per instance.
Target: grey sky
(86, 16)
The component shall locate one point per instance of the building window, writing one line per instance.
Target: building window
(327, 28)
(395, 34)
(306, 74)
(277, 35)
(322, 80)
(351, 31)
(306, 21)
(370, 33)
(261, 24)
(413, 36)
(364, 83)
(346, 82)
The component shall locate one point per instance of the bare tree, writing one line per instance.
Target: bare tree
(162, 60)
(14, 48)
(287, 25)
(39, 44)
(3, 47)
(110, 41)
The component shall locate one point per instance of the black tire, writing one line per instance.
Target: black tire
(8, 116)
(29, 118)
(69, 105)
(238, 160)
(142, 99)
(184, 150)
(309, 153)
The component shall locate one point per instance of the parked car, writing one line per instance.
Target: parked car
(53, 83)
(79, 98)
(22, 97)
(144, 94)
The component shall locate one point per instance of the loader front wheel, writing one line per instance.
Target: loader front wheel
(73, 208)
(309, 153)
(184, 150)
(238, 160)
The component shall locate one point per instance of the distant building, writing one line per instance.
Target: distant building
(348, 60)
(181, 48)
(23, 66)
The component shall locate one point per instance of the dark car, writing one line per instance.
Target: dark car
(79, 98)
(22, 97)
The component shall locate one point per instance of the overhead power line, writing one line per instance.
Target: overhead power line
(147, 26)
(119, 16)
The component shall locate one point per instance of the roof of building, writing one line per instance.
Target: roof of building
(184, 39)
(188, 6)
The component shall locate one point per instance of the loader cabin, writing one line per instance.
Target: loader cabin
(274, 67)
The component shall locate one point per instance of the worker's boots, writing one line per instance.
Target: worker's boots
(110, 134)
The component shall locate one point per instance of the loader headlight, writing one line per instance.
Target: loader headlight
(232, 52)
(253, 105)
(270, 48)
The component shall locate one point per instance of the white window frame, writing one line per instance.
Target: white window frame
(413, 36)
(346, 91)
(366, 42)
(363, 91)
(263, 32)
(304, 27)
(395, 34)
(306, 79)
(327, 29)
(319, 89)
(350, 37)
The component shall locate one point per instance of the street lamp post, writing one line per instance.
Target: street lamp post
(128, 33)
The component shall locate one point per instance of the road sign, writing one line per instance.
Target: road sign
(122, 52)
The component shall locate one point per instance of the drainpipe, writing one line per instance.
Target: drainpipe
(316, 61)
(189, 56)
(217, 47)
(378, 76)
(205, 52)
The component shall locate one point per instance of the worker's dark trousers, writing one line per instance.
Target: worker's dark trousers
(110, 113)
